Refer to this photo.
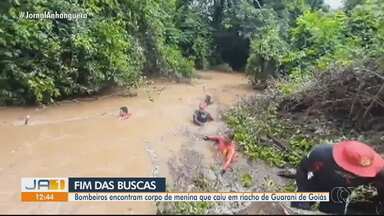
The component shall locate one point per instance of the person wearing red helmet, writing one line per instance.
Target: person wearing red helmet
(337, 169)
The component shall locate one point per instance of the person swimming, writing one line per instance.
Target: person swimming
(26, 120)
(207, 101)
(124, 114)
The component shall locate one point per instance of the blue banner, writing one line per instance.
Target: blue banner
(121, 185)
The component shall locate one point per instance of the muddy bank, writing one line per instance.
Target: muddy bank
(191, 173)
(86, 138)
(196, 168)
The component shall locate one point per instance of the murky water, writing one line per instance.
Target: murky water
(87, 139)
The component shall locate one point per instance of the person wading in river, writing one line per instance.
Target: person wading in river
(201, 116)
(226, 146)
(338, 168)
(124, 114)
(207, 101)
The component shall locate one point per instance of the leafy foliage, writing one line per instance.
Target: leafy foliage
(320, 54)
(46, 59)
(317, 39)
(246, 180)
(195, 36)
(267, 54)
(272, 53)
(251, 131)
(264, 131)
(315, 36)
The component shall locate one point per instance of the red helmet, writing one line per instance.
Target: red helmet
(358, 158)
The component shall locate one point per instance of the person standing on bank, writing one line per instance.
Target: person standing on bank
(336, 169)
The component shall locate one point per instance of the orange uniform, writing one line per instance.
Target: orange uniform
(226, 147)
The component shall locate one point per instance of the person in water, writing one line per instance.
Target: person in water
(124, 114)
(201, 116)
(26, 120)
(207, 101)
(226, 146)
(337, 169)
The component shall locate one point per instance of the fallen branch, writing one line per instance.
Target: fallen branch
(282, 145)
(373, 101)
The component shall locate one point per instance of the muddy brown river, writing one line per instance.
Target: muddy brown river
(86, 138)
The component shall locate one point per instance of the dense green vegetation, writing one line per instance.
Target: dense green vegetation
(319, 40)
(42, 60)
(45, 59)
(329, 71)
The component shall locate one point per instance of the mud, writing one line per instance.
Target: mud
(86, 138)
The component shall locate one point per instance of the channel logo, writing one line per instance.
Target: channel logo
(44, 189)
(47, 184)
(44, 184)
(340, 195)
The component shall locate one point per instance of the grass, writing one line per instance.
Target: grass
(246, 180)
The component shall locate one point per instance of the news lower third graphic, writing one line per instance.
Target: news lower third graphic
(78, 189)
(87, 189)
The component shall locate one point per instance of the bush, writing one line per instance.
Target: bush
(177, 64)
(251, 128)
(107, 53)
(265, 132)
(341, 104)
(246, 180)
(266, 54)
(195, 37)
(316, 35)
(47, 59)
